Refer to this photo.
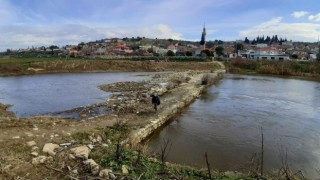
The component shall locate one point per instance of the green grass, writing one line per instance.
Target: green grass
(22, 148)
(81, 137)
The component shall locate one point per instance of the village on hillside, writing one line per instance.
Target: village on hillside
(260, 48)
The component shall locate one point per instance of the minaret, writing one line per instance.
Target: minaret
(203, 37)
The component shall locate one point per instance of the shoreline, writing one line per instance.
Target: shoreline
(131, 106)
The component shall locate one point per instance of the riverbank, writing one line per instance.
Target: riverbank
(55, 148)
(82, 65)
(290, 69)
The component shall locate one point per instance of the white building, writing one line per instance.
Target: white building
(264, 53)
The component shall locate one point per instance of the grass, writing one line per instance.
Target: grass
(81, 137)
(282, 68)
(32, 60)
(22, 149)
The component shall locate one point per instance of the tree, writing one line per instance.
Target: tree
(268, 40)
(207, 52)
(276, 38)
(170, 53)
(52, 47)
(219, 50)
(209, 44)
(150, 50)
(246, 40)
(170, 40)
(318, 55)
(188, 53)
(238, 46)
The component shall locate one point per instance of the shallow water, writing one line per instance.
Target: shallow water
(41, 94)
(226, 122)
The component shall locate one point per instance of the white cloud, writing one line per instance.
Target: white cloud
(14, 37)
(294, 31)
(299, 14)
(314, 17)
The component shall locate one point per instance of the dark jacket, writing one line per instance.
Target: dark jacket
(155, 100)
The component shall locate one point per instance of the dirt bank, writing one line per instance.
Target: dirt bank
(66, 66)
(24, 142)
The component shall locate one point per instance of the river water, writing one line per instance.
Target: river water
(226, 122)
(41, 94)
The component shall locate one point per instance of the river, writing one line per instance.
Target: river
(226, 122)
(48, 93)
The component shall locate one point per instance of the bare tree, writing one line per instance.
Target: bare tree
(165, 147)
(262, 151)
(208, 165)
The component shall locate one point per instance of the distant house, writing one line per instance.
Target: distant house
(74, 53)
(264, 53)
(172, 48)
(312, 57)
(261, 45)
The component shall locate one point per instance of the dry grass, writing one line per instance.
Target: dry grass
(208, 79)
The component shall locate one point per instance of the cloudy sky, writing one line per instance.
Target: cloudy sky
(26, 23)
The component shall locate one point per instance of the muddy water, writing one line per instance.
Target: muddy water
(226, 122)
(40, 94)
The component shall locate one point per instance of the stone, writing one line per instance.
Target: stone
(31, 143)
(35, 154)
(71, 156)
(93, 166)
(90, 146)
(16, 137)
(81, 152)
(105, 173)
(112, 176)
(99, 139)
(35, 148)
(105, 145)
(234, 174)
(49, 148)
(29, 134)
(39, 160)
(75, 172)
(124, 169)
(108, 141)
(65, 144)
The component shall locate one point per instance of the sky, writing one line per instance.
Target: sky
(27, 23)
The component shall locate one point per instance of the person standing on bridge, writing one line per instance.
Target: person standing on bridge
(155, 101)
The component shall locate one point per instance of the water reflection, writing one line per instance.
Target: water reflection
(226, 123)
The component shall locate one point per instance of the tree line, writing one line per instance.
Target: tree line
(266, 40)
